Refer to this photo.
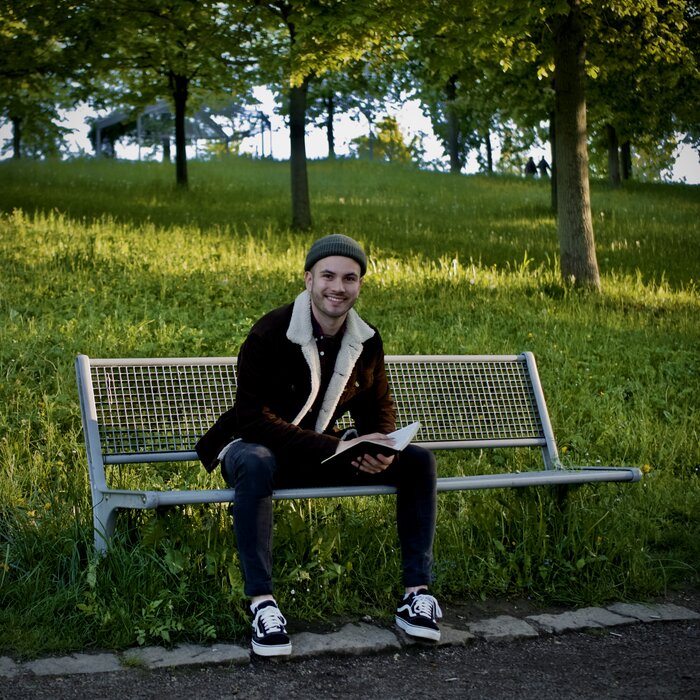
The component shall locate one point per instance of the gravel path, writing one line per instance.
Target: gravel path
(641, 661)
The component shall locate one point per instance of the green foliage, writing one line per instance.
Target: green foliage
(111, 260)
(34, 71)
(387, 144)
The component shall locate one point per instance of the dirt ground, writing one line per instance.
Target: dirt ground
(650, 660)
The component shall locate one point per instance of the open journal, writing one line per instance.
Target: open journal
(402, 438)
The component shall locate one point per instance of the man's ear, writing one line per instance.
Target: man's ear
(308, 278)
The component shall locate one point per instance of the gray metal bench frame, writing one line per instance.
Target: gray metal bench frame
(154, 410)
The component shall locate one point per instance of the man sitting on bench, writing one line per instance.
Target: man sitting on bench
(301, 367)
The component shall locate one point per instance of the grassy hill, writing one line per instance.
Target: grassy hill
(107, 258)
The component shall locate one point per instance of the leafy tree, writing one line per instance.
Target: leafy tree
(308, 39)
(388, 144)
(473, 89)
(442, 70)
(358, 90)
(645, 68)
(534, 47)
(583, 40)
(34, 74)
(36, 131)
(548, 53)
(576, 239)
(177, 49)
(325, 101)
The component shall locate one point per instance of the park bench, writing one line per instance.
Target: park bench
(138, 411)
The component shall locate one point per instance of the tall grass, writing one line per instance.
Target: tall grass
(108, 259)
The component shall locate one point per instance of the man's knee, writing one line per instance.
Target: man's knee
(421, 458)
(417, 465)
(249, 467)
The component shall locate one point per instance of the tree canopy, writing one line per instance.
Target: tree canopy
(603, 76)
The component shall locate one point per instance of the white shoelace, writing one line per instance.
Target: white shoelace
(425, 605)
(271, 619)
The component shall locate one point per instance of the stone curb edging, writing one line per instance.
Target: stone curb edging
(352, 639)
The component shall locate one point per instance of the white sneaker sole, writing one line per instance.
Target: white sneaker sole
(417, 631)
(272, 649)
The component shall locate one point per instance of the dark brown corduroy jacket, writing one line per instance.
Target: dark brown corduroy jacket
(279, 376)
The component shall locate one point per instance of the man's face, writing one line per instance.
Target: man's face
(334, 284)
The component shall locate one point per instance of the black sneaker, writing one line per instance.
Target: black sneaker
(417, 615)
(269, 633)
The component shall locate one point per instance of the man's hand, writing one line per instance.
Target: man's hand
(369, 463)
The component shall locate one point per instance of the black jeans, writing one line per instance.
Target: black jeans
(254, 471)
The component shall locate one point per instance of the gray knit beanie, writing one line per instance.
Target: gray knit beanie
(336, 244)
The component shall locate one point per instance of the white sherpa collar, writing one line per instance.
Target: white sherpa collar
(300, 331)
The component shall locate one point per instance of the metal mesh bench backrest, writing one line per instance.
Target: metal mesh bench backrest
(164, 406)
(466, 399)
(150, 408)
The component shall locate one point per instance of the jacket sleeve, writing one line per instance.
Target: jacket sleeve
(215, 439)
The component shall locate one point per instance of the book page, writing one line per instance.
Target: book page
(402, 438)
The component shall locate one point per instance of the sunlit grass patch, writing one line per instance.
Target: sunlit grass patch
(108, 259)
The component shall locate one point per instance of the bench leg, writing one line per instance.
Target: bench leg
(103, 521)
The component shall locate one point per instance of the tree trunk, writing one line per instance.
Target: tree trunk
(576, 242)
(180, 88)
(16, 138)
(553, 149)
(369, 116)
(301, 207)
(453, 126)
(330, 132)
(626, 157)
(613, 156)
(166, 149)
(489, 153)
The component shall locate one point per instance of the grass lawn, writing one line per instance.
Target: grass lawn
(107, 258)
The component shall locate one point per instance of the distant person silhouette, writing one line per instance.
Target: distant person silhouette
(530, 168)
(543, 167)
